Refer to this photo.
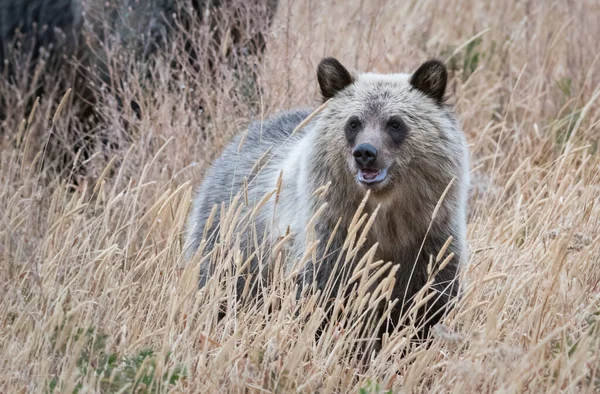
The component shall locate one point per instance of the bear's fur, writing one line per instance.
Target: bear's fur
(422, 156)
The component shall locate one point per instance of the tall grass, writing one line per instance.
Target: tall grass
(93, 295)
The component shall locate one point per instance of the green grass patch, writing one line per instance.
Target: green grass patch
(112, 371)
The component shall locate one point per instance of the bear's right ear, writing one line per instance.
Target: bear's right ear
(332, 77)
(431, 79)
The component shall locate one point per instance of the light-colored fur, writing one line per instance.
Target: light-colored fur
(433, 155)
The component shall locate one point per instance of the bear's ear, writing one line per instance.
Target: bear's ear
(431, 79)
(332, 77)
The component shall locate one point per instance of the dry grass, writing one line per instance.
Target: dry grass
(88, 271)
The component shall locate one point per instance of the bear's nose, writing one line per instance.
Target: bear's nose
(364, 155)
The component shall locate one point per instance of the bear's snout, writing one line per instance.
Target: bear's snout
(365, 155)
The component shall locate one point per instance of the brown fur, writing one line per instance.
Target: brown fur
(424, 156)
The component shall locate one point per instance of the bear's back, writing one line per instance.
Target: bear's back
(269, 140)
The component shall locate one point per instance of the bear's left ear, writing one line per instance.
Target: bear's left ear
(431, 79)
(332, 77)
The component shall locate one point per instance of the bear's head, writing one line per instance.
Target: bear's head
(389, 128)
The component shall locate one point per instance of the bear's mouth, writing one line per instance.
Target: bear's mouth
(370, 177)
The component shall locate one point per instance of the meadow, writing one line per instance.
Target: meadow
(93, 293)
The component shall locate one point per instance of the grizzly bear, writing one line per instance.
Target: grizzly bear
(389, 135)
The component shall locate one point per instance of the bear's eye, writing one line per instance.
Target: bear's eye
(397, 129)
(352, 128)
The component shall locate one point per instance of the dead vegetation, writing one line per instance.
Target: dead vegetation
(91, 297)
